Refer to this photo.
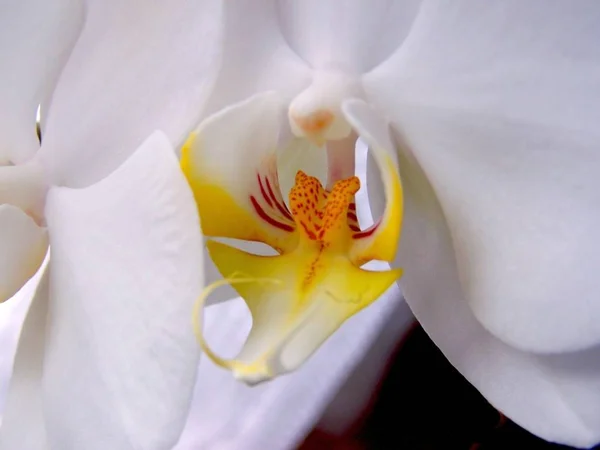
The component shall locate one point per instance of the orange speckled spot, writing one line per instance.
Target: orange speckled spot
(316, 122)
(325, 218)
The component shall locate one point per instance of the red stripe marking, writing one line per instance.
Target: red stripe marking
(262, 191)
(352, 216)
(352, 206)
(354, 228)
(310, 234)
(281, 209)
(264, 216)
(368, 232)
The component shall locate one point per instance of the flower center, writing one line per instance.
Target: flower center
(301, 295)
(324, 216)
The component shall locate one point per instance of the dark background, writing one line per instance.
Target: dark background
(424, 403)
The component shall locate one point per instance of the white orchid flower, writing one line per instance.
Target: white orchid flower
(487, 111)
(485, 106)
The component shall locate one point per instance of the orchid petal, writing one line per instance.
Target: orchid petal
(555, 397)
(353, 35)
(256, 57)
(381, 240)
(126, 268)
(36, 37)
(498, 163)
(512, 156)
(122, 83)
(23, 423)
(230, 161)
(24, 245)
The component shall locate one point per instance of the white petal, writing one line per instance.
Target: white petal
(126, 268)
(498, 104)
(555, 397)
(256, 56)
(23, 245)
(351, 35)
(230, 415)
(558, 403)
(135, 69)
(36, 37)
(24, 186)
(23, 424)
